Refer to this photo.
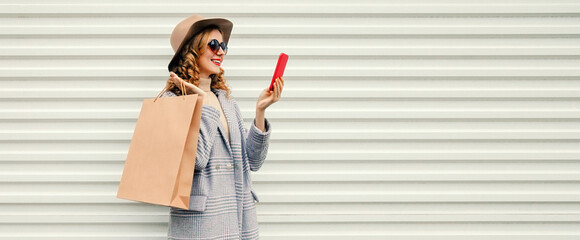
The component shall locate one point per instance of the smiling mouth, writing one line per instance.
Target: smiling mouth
(216, 62)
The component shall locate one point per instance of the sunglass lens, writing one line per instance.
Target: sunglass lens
(224, 46)
(214, 45)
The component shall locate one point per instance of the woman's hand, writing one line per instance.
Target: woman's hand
(268, 97)
(189, 88)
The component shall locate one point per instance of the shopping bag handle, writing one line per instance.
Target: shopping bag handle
(165, 89)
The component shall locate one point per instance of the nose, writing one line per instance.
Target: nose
(221, 52)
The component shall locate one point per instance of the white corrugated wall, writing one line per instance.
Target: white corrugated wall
(419, 119)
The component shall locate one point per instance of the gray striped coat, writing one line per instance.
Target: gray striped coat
(222, 203)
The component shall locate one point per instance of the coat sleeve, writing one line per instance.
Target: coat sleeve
(256, 141)
(207, 132)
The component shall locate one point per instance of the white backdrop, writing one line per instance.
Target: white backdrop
(419, 119)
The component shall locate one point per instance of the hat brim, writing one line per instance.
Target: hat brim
(224, 25)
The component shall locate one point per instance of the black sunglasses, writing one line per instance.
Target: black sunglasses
(214, 45)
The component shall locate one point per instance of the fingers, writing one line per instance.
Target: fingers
(282, 85)
(173, 75)
(175, 79)
(275, 90)
(179, 83)
(267, 97)
(278, 89)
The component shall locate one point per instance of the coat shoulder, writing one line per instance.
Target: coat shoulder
(168, 94)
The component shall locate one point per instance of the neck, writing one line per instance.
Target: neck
(205, 84)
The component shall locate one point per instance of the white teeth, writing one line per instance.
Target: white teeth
(216, 61)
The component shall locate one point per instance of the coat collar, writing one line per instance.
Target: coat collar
(217, 91)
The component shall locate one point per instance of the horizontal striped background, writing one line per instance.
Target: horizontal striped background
(399, 120)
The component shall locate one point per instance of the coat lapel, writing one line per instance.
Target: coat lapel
(225, 104)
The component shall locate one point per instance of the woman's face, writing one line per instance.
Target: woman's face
(210, 62)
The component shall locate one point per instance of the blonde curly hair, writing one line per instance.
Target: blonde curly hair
(187, 67)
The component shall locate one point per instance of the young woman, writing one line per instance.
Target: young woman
(222, 203)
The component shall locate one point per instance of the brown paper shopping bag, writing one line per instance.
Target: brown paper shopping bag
(160, 162)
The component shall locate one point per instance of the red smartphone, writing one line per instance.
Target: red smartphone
(280, 66)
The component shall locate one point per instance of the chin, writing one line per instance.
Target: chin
(212, 71)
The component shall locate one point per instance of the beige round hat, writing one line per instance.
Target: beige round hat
(191, 26)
